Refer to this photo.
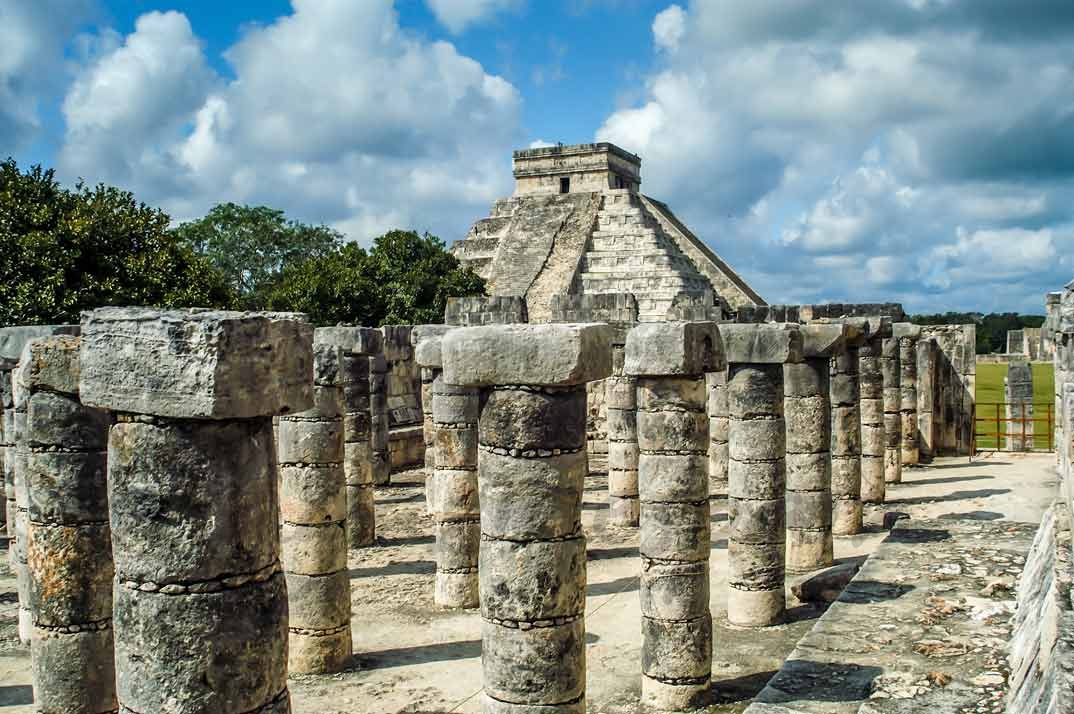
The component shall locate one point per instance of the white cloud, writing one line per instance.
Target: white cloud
(668, 27)
(858, 139)
(457, 15)
(32, 40)
(335, 114)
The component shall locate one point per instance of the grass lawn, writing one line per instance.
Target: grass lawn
(990, 390)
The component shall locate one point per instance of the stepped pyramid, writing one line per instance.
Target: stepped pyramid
(578, 224)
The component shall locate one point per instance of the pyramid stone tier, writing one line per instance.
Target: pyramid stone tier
(577, 224)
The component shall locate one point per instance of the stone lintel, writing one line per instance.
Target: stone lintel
(906, 329)
(196, 364)
(657, 349)
(48, 363)
(353, 339)
(769, 343)
(551, 355)
(13, 339)
(823, 340)
(427, 340)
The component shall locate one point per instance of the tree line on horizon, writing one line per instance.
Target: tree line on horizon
(992, 327)
(64, 250)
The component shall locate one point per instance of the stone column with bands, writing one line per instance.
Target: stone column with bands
(451, 489)
(756, 355)
(927, 355)
(200, 604)
(908, 335)
(891, 374)
(669, 361)
(12, 342)
(378, 425)
(716, 383)
(313, 508)
(872, 414)
(621, 401)
(69, 549)
(844, 388)
(359, 346)
(531, 471)
(428, 429)
(807, 412)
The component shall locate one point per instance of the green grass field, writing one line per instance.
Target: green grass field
(990, 391)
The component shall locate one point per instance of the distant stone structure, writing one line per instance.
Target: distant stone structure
(578, 224)
(1018, 395)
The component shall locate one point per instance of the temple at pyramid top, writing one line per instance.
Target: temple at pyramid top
(578, 224)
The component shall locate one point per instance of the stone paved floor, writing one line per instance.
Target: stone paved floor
(411, 657)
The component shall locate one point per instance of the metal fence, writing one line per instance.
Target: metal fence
(995, 421)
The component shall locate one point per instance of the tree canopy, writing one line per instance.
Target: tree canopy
(63, 251)
(251, 246)
(406, 278)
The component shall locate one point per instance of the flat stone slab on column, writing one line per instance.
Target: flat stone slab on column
(667, 349)
(194, 364)
(771, 343)
(547, 355)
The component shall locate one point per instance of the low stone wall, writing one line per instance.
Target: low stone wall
(1042, 643)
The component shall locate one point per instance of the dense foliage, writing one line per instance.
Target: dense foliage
(991, 328)
(405, 278)
(251, 246)
(63, 251)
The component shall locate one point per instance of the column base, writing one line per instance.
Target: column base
(319, 654)
(846, 517)
(456, 591)
(756, 608)
(657, 696)
(624, 511)
(808, 550)
(495, 706)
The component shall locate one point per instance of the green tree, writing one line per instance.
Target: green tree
(253, 245)
(405, 278)
(63, 251)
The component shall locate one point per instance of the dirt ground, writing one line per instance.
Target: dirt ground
(411, 657)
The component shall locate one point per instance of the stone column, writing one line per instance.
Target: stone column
(808, 415)
(1018, 393)
(20, 517)
(378, 426)
(7, 450)
(716, 384)
(428, 429)
(890, 371)
(757, 436)
(844, 388)
(872, 417)
(908, 335)
(670, 360)
(313, 507)
(359, 345)
(451, 489)
(530, 475)
(621, 401)
(200, 603)
(68, 550)
(926, 398)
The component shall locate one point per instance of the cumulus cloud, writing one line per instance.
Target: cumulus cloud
(457, 15)
(309, 122)
(32, 40)
(850, 151)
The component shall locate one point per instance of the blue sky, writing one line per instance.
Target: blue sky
(911, 150)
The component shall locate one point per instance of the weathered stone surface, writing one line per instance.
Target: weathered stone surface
(675, 531)
(549, 355)
(674, 349)
(537, 498)
(532, 581)
(49, 363)
(71, 574)
(218, 652)
(543, 665)
(212, 480)
(196, 364)
(762, 343)
(426, 340)
(820, 340)
(66, 487)
(73, 673)
(531, 420)
(13, 339)
(353, 339)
